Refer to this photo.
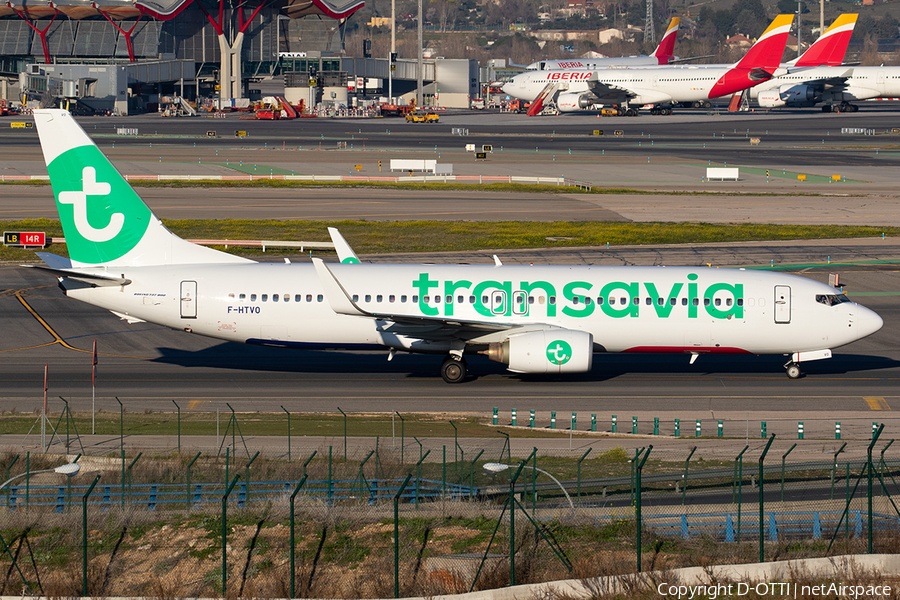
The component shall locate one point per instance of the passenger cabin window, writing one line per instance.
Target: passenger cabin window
(319, 298)
(403, 298)
(243, 297)
(252, 297)
(356, 297)
(298, 297)
(392, 298)
(378, 298)
(231, 295)
(368, 297)
(274, 297)
(264, 298)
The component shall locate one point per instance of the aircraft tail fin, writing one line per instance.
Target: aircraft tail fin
(104, 220)
(831, 47)
(766, 53)
(666, 49)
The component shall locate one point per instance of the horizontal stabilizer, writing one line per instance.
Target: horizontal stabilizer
(93, 279)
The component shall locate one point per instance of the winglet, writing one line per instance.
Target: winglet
(666, 48)
(831, 47)
(337, 296)
(344, 251)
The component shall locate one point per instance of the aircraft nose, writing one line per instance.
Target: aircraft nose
(867, 321)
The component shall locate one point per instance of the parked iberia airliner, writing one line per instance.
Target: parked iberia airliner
(535, 319)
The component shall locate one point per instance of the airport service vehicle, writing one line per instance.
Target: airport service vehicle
(421, 116)
(580, 89)
(534, 319)
(663, 55)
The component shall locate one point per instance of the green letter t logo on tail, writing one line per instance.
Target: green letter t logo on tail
(102, 217)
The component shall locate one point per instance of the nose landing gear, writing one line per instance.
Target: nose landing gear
(793, 371)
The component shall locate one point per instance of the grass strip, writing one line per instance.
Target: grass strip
(275, 424)
(379, 237)
(514, 188)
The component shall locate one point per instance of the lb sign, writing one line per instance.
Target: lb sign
(24, 238)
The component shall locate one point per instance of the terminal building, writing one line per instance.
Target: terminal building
(132, 56)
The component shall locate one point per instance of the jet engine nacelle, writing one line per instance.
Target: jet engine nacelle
(787, 95)
(573, 101)
(545, 351)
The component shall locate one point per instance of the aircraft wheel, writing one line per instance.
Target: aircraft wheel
(453, 370)
(667, 111)
(707, 104)
(793, 371)
(854, 108)
(654, 111)
(620, 112)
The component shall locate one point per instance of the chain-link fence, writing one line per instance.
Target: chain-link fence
(426, 518)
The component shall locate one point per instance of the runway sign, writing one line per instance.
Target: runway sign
(23, 239)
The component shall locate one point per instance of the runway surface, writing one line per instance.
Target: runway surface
(148, 366)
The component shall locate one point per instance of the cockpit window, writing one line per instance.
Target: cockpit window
(831, 299)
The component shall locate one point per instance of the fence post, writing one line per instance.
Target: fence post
(531, 421)
(640, 468)
(84, 560)
(293, 567)
(684, 487)
(739, 471)
(308, 460)
(397, 536)
(122, 445)
(869, 467)
(874, 428)
(188, 490)
(179, 425)
(834, 467)
(403, 438)
(345, 433)
(495, 416)
(289, 446)
(136, 458)
(655, 425)
(762, 500)
(574, 420)
(248, 475)
(583, 456)
(225, 534)
(783, 457)
(419, 475)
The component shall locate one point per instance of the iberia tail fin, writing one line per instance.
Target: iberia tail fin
(105, 222)
(831, 47)
(769, 47)
(666, 49)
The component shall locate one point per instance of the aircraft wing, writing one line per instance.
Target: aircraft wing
(609, 94)
(423, 327)
(829, 83)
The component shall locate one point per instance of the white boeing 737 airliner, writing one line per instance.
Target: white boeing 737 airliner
(535, 319)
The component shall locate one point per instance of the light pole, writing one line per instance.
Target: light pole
(500, 467)
(70, 470)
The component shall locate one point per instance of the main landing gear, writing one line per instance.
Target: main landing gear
(792, 370)
(453, 370)
(842, 107)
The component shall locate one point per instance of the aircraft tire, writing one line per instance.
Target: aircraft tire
(854, 108)
(707, 104)
(793, 371)
(453, 369)
(666, 111)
